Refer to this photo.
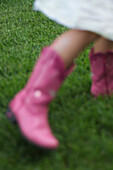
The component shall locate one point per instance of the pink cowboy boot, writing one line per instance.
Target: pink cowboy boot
(109, 71)
(30, 105)
(102, 73)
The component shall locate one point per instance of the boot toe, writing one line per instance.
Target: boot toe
(35, 128)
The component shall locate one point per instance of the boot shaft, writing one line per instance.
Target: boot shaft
(102, 72)
(47, 77)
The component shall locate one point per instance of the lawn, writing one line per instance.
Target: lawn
(83, 124)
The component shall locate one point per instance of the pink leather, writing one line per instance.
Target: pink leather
(30, 105)
(42, 62)
(102, 73)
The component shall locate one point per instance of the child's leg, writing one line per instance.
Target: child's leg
(30, 106)
(68, 46)
(101, 57)
(103, 45)
(71, 43)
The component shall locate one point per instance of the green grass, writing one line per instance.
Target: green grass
(83, 124)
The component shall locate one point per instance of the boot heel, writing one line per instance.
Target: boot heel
(10, 116)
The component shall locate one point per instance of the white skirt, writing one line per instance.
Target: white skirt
(91, 15)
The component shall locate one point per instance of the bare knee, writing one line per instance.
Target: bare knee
(90, 36)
